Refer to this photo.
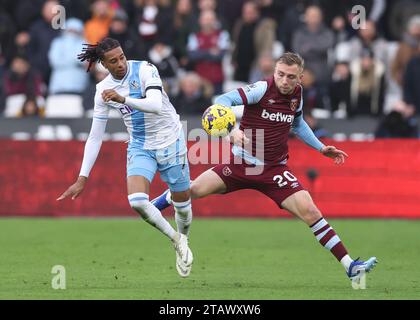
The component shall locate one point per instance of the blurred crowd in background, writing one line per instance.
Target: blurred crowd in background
(203, 48)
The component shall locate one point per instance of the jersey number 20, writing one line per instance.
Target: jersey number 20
(281, 182)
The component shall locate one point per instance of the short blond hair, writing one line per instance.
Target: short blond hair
(291, 58)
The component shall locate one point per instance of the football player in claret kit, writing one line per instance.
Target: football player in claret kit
(134, 88)
(271, 108)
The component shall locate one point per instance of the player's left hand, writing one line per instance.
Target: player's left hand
(112, 95)
(333, 153)
(75, 189)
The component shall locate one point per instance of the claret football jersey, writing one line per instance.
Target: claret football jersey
(267, 118)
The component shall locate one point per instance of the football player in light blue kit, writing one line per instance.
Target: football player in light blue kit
(134, 88)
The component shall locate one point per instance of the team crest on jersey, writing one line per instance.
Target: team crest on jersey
(226, 171)
(249, 87)
(134, 84)
(293, 104)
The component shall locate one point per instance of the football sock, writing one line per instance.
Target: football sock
(183, 216)
(329, 240)
(346, 261)
(163, 201)
(140, 203)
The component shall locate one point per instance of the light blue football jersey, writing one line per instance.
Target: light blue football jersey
(147, 130)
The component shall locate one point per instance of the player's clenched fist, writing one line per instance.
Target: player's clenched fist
(74, 190)
(112, 95)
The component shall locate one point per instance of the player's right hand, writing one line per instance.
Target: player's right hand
(74, 190)
(112, 95)
(238, 137)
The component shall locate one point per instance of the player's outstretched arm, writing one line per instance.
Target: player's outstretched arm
(332, 152)
(249, 95)
(304, 132)
(229, 99)
(92, 147)
(75, 189)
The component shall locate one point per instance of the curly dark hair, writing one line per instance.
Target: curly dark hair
(95, 52)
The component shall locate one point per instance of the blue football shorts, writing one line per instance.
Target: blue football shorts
(171, 161)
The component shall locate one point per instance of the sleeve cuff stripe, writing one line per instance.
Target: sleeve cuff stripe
(243, 96)
(154, 87)
(100, 118)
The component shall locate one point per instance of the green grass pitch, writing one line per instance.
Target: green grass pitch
(233, 259)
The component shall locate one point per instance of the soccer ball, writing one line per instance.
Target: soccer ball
(218, 120)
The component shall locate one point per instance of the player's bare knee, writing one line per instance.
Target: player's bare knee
(311, 213)
(181, 196)
(196, 190)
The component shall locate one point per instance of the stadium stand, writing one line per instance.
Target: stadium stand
(15, 102)
(64, 106)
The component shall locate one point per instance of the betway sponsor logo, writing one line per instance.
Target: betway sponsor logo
(277, 116)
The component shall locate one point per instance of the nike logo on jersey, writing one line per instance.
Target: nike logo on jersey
(277, 116)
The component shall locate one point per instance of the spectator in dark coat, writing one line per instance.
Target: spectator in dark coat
(360, 86)
(252, 36)
(312, 42)
(76, 9)
(22, 79)
(41, 36)
(183, 25)
(407, 49)
(7, 35)
(399, 123)
(26, 12)
(401, 12)
(7, 32)
(119, 30)
(154, 19)
(161, 55)
(194, 95)
(411, 83)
